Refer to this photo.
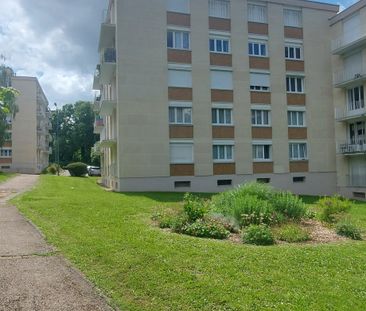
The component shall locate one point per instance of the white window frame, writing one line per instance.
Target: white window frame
(216, 108)
(352, 104)
(182, 142)
(296, 145)
(180, 105)
(225, 144)
(216, 39)
(260, 88)
(6, 152)
(287, 19)
(179, 6)
(296, 77)
(262, 19)
(175, 32)
(294, 46)
(261, 109)
(261, 144)
(297, 111)
(260, 43)
(213, 13)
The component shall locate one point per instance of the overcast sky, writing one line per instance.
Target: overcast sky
(56, 41)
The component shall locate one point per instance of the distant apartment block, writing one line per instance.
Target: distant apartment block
(205, 95)
(26, 149)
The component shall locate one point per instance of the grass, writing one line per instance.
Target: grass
(108, 236)
(5, 176)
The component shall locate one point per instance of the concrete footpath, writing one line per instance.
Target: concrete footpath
(32, 276)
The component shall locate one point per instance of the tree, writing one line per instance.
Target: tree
(8, 106)
(75, 132)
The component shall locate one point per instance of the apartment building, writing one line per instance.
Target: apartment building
(26, 149)
(205, 95)
(349, 64)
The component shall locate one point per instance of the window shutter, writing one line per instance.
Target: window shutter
(351, 27)
(180, 6)
(352, 65)
(181, 153)
(292, 18)
(180, 78)
(219, 8)
(221, 80)
(257, 13)
(259, 79)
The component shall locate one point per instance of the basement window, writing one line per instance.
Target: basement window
(264, 180)
(359, 195)
(5, 167)
(224, 182)
(298, 179)
(182, 184)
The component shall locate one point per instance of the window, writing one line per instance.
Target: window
(261, 117)
(355, 98)
(257, 48)
(221, 80)
(298, 179)
(180, 6)
(292, 18)
(180, 115)
(224, 182)
(177, 39)
(259, 81)
(264, 180)
(298, 151)
(6, 153)
(223, 152)
(219, 8)
(220, 45)
(296, 118)
(293, 51)
(181, 152)
(295, 84)
(182, 184)
(222, 116)
(262, 152)
(180, 78)
(257, 13)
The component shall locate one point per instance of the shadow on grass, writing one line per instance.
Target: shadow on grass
(165, 196)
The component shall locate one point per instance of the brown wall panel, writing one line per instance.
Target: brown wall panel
(261, 132)
(258, 28)
(262, 167)
(181, 169)
(222, 96)
(180, 93)
(180, 131)
(299, 166)
(295, 65)
(179, 56)
(224, 168)
(293, 32)
(223, 132)
(218, 59)
(296, 99)
(297, 133)
(259, 62)
(219, 23)
(179, 19)
(8, 144)
(260, 97)
(5, 160)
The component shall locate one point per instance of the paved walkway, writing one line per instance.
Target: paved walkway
(32, 276)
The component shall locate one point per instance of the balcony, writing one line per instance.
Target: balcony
(96, 81)
(348, 42)
(347, 114)
(357, 180)
(98, 125)
(107, 66)
(107, 36)
(96, 105)
(344, 78)
(107, 107)
(108, 143)
(353, 147)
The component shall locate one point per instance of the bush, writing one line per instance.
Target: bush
(289, 205)
(260, 190)
(258, 235)
(77, 169)
(178, 223)
(53, 169)
(333, 208)
(229, 223)
(292, 233)
(164, 219)
(206, 229)
(348, 230)
(194, 207)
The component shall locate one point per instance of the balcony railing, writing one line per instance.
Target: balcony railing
(346, 114)
(353, 147)
(358, 180)
(348, 41)
(344, 78)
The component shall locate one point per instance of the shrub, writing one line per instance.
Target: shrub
(206, 229)
(292, 233)
(289, 205)
(260, 190)
(178, 223)
(77, 169)
(53, 169)
(258, 235)
(164, 219)
(348, 230)
(229, 223)
(194, 207)
(333, 208)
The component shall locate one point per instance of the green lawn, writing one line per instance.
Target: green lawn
(5, 176)
(108, 236)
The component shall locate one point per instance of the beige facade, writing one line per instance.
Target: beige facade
(27, 148)
(205, 95)
(349, 66)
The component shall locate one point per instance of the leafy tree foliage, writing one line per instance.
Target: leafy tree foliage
(7, 107)
(74, 125)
